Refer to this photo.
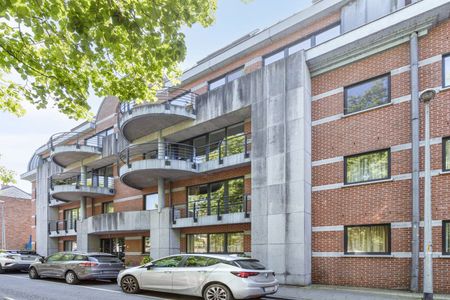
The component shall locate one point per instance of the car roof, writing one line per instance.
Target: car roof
(227, 257)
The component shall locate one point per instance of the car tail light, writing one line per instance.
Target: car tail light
(88, 264)
(245, 274)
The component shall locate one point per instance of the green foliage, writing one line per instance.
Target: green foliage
(61, 48)
(6, 176)
(146, 260)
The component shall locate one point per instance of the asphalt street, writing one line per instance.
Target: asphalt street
(17, 286)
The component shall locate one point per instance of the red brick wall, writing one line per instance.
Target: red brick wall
(18, 222)
(383, 202)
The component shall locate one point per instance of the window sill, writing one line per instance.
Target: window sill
(444, 88)
(368, 182)
(366, 110)
(443, 173)
(368, 255)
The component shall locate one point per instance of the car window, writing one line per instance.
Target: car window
(249, 264)
(106, 258)
(55, 257)
(201, 261)
(67, 257)
(168, 262)
(80, 258)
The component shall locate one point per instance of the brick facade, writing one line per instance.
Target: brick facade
(18, 222)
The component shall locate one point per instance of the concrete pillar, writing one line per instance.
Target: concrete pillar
(83, 208)
(161, 147)
(161, 194)
(83, 176)
(164, 240)
(281, 171)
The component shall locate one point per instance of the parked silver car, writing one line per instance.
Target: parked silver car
(76, 266)
(213, 277)
(16, 260)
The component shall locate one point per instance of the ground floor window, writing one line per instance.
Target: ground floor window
(114, 246)
(108, 207)
(146, 244)
(446, 237)
(215, 242)
(70, 245)
(367, 239)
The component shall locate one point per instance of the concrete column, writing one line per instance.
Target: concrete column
(164, 240)
(83, 176)
(83, 208)
(281, 170)
(161, 147)
(161, 194)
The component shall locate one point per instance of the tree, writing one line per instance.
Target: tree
(61, 48)
(6, 176)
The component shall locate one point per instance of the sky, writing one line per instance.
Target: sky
(20, 137)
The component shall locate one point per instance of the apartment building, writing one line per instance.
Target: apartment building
(16, 219)
(293, 145)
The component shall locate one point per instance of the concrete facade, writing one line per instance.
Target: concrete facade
(294, 204)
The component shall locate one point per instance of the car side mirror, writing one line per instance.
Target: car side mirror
(149, 266)
(42, 260)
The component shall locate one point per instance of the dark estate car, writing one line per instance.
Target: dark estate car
(16, 260)
(76, 266)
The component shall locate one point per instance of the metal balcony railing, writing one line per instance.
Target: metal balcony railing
(168, 96)
(75, 138)
(157, 150)
(218, 206)
(75, 179)
(238, 144)
(62, 226)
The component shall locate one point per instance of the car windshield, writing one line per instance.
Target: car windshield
(250, 264)
(106, 259)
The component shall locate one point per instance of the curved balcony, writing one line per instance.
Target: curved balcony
(68, 187)
(139, 119)
(69, 147)
(141, 165)
(117, 222)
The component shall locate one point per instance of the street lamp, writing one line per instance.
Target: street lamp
(425, 97)
(3, 226)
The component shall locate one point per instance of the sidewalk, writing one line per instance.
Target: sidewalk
(328, 292)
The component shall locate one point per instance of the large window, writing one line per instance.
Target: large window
(359, 12)
(97, 139)
(70, 245)
(230, 140)
(446, 237)
(146, 244)
(233, 75)
(108, 207)
(305, 43)
(217, 197)
(215, 243)
(102, 177)
(446, 70)
(367, 166)
(151, 201)
(367, 94)
(71, 216)
(367, 239)
(114, 246)
(446, 154)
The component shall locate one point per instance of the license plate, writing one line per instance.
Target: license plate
(270, 289)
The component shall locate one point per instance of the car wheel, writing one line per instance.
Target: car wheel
(71, 278)
(33, 273)
(2, 271)
(217, 292)
(129, 285)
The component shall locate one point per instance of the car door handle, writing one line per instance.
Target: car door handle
(167, 271)
(201, 271)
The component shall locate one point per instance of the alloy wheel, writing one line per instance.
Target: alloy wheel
(129, 285)
(71, 278)
(216, 292)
